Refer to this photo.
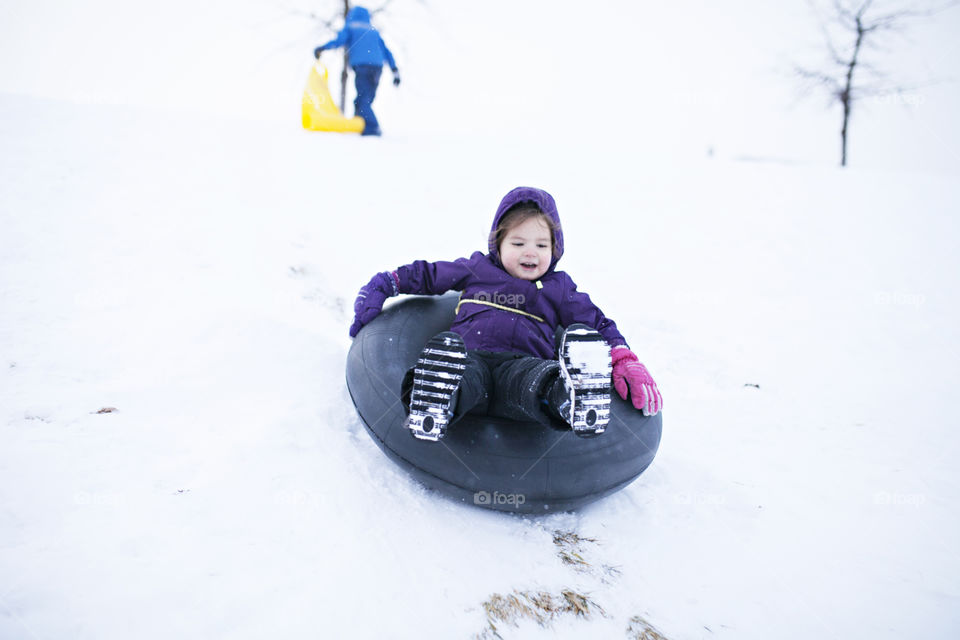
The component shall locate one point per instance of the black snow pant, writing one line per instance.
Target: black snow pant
(515, 386)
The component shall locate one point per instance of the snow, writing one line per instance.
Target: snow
(174, 246)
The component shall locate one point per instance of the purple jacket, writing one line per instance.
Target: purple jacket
(498, 312)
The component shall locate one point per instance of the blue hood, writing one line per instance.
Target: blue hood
(358, 14)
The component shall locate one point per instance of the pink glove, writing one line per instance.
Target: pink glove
(627, 370)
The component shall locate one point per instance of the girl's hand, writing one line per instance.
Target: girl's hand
(371, 298)
(628, 372)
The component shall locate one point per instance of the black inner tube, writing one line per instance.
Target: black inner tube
(491, 462)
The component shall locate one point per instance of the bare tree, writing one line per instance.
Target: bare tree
(850, 28)
(329, 25)
(346, 64)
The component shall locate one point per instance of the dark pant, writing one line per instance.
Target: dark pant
(367, 77)
(506, 385)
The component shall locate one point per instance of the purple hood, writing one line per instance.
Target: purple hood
(498, 312)
(545, 203)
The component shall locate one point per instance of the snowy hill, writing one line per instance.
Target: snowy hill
(176, 248)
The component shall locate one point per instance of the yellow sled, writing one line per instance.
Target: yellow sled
(319, 111)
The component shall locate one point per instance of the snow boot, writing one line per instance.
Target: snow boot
(585, 370)
(436, 380)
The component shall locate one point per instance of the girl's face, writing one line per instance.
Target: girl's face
(527, 248)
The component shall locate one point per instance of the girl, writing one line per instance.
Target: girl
(525, 344)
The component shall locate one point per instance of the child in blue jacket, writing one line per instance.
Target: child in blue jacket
(525, 344)
(367, 53)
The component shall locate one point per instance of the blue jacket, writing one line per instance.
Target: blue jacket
(498, 312)
(363, 42)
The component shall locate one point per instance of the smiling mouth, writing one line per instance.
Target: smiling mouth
(528, 265)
